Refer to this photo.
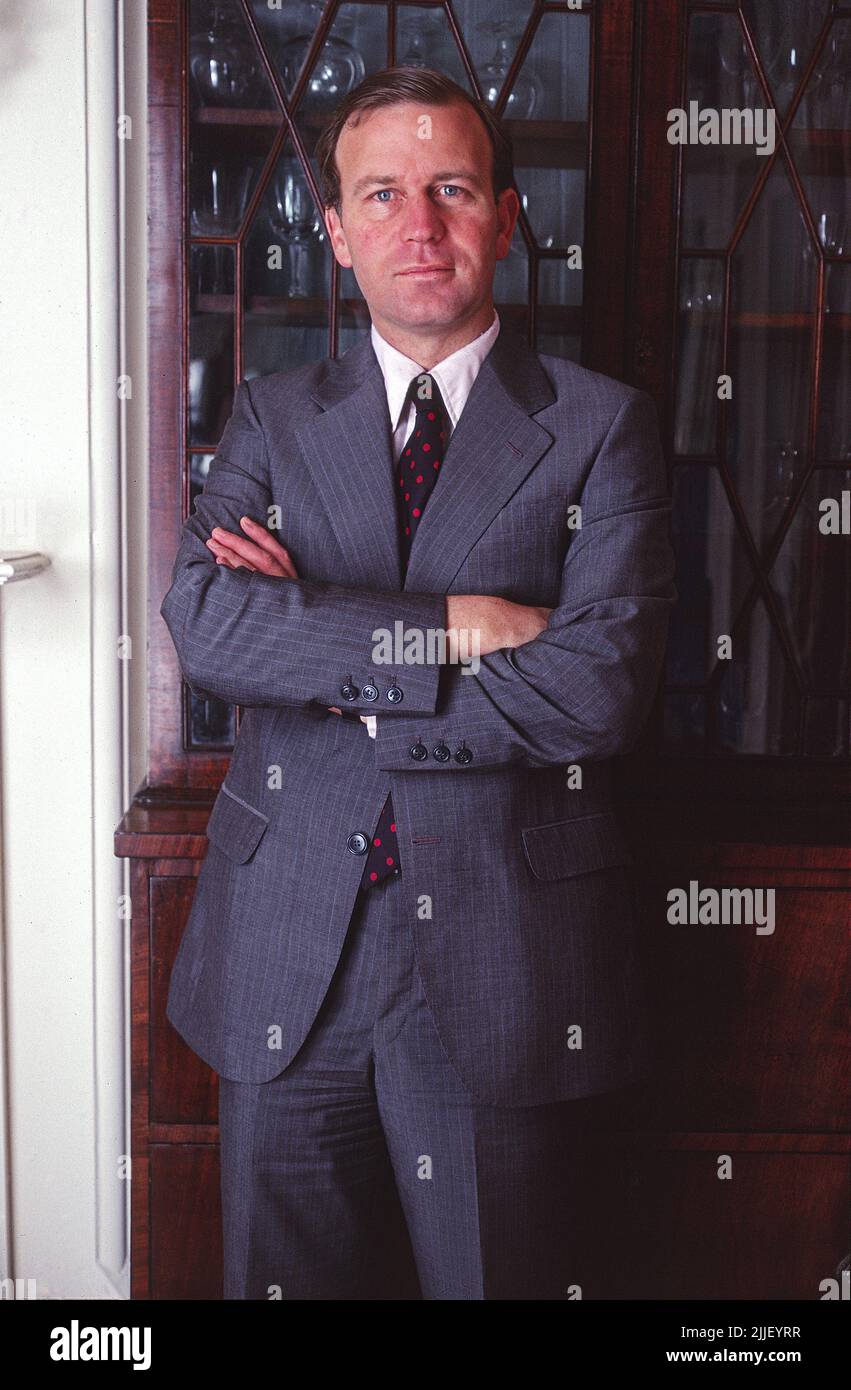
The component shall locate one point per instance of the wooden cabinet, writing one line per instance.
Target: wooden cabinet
(717, 278)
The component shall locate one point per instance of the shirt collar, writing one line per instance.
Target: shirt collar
(454, 375)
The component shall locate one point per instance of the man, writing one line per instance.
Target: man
(412, 948)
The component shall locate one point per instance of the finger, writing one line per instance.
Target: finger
(263, 537)
(334, 710)
(233, 563)
(224, 554)
(247, 550)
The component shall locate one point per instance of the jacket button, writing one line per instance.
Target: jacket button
(419, 751)
(394, 694)
(441, 753)
(357, 843)
(463, 756)
(349, 692)
(369, 692)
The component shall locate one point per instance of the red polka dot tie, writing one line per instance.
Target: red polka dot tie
(416, 474)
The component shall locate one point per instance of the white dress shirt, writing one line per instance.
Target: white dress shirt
(454, 375)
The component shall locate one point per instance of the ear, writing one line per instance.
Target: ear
(337, 237)
(507, 209)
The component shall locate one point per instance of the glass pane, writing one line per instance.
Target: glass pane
(288, 33)
(511, 284)
(354, 314)
(492, 42)
(287, 275)
(812, 580)
(211, 361)
(719, 177)
(210, 723)
(773, 304)
(559, 327)
(554, 201)
(552, 84)
(713, 573)
(835, 412)
(356, 45)
(757, 707)
(225, 67)
(821, 141)
(233, 118)
(701, 307)
(424, 40)
(198, 469)
(784, 32)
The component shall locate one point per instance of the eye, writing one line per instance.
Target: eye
(452, 185)
(382, 190)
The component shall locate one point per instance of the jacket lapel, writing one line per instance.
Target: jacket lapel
(492, 449)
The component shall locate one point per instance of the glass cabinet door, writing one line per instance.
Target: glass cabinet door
(758, 657)
(263, 291)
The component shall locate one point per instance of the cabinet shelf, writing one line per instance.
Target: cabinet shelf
(817, 154)
(773, 323)
(537, 144)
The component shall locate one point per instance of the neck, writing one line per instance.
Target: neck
(427, 349)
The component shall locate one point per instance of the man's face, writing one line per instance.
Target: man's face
(416, 192)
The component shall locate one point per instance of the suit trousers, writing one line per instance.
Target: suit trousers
(367, 1170)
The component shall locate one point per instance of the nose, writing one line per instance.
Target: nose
(423, 220)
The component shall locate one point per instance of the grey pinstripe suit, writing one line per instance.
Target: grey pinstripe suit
(530, 931)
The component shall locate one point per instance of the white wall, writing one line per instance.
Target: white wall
(65, 760)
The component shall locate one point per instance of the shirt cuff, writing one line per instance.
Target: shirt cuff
(370, 722)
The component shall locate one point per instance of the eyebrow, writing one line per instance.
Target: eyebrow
(442, 175)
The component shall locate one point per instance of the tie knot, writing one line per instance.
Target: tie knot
(425, 393)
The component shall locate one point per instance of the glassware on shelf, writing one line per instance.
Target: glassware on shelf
(219, 194)
(783, 467)
(421, 37)
(830, 91)
(295, 218)
(338, 68)
(223, 61)
(736, 62)
(700, 318)
(832, 233)
(526, 93)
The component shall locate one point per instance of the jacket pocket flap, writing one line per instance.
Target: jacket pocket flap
(235, 827)
(564, 848)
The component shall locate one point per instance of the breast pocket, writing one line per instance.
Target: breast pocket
(521, 554)
(567, 848)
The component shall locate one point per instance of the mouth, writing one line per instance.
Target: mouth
(426, 272)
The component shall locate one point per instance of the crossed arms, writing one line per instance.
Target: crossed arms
(579, 687)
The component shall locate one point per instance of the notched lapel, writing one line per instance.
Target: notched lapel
(492, 449)
(347, 449)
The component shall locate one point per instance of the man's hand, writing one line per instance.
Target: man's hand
(500, 622)
(261, 553)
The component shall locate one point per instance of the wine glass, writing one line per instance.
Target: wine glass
(526, 93)
(422, 36)
(223, 61)
(295, 218)
(338, 68)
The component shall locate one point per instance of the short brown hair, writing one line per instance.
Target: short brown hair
(389, 87)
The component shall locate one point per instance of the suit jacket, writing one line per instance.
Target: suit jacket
(516, 885)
